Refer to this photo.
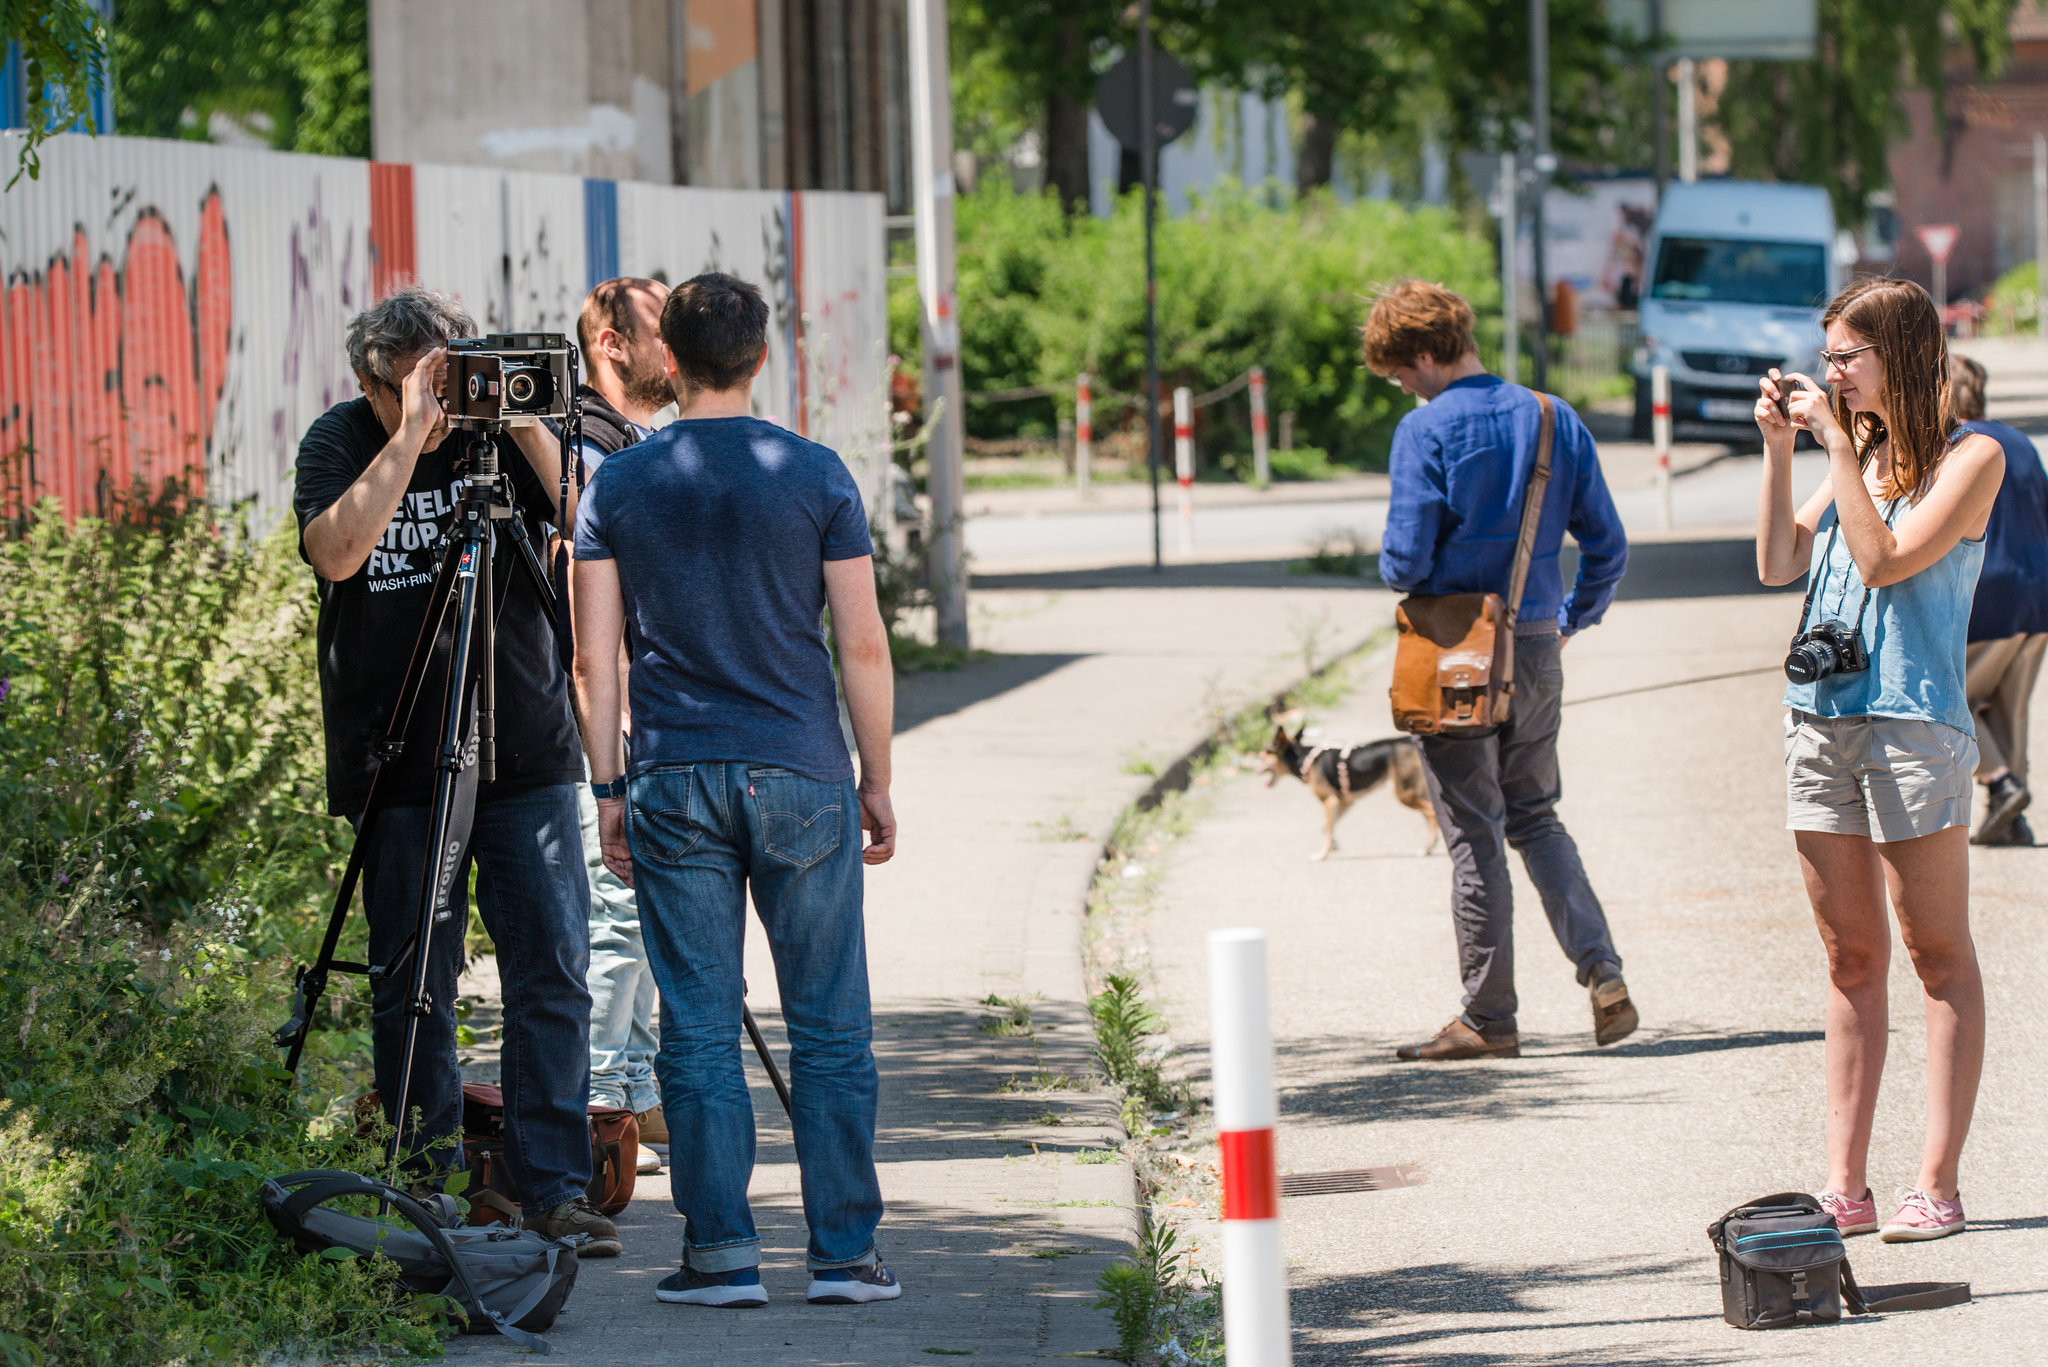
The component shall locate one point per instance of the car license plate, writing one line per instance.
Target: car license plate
(1727, 410)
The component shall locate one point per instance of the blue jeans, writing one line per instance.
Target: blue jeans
(1498, 792)
(532, 895)
(622, 1041)
(701, 833)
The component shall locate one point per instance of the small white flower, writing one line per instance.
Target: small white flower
(164, 954)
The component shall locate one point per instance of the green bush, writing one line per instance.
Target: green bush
(2012, 305)
(162, 853)
(1043, 297)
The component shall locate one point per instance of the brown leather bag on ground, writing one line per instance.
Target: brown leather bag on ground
(1454, 664)
(492, 1194)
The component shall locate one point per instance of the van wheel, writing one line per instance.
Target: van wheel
(1639, 429)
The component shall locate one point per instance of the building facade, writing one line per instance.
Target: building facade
(723, 94)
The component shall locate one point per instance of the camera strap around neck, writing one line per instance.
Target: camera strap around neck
(1813, 587)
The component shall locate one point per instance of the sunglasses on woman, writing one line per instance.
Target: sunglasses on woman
(1841, 358)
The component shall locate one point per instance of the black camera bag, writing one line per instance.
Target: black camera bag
(513, 1281)
(1783, 1265)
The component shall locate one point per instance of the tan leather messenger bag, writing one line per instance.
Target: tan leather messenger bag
(1454, 665)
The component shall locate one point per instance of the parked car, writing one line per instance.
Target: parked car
(1738, 273)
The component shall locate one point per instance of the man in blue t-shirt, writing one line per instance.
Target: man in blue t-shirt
(714, 547)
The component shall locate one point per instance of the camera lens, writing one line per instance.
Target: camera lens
(520, 390)
(528, 388)
(1811, 660)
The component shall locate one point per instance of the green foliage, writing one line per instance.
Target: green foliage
(294, 71)
(162, 673)
(2013, 304)
(1044, 297)
(1154, 1294)
(1831, 121)
(63, 60)
(154, 854)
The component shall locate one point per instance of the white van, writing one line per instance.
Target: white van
(1738, 275)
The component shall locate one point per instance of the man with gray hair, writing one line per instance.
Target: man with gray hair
(377, 487)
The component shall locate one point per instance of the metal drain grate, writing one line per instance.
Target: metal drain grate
(1354, 1179)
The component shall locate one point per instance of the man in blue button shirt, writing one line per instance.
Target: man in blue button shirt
(1461, 463)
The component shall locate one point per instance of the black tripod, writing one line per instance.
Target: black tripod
(465, 755)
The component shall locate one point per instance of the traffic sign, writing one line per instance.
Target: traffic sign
(1939, 239)
(1174, 100)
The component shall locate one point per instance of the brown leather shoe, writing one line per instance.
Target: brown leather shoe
(653, 1129)
(1614, 1015)
(1459, 1040)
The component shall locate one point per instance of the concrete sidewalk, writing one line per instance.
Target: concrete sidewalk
(1566, 1197)
(1007, 1191)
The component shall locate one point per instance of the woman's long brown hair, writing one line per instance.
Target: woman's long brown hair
(1900, 320)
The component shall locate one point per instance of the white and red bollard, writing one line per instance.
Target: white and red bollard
(1255, 1330)
(1262, 466)
(1660, 434)
(1184, 464)
(1084, 434)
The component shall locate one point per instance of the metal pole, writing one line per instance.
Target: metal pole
(1510, 282)
(1660, 432)
(1084, 435)
(1148, 154)
(1660, 102)
(932, 170)
(1546, 164)
(1184, 464)
(2041, 234)
(1262, 464)
(1688, 120)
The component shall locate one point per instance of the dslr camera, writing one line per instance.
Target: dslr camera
(1823, 649)
(509, 379)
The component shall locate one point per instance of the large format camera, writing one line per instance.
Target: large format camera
(508, 379)
(1826, 648)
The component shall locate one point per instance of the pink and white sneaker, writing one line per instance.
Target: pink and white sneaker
(1922, 1216)
(1851, 1217)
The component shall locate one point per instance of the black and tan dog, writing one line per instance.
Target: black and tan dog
(1339, 776)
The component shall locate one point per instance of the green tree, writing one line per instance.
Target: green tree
(64, 59)
(295, 73)
(1831, 121)
(1016, 62)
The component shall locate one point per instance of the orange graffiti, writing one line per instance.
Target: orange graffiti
(112, 379)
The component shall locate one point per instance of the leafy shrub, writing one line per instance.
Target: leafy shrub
(160, 843)
(2013, 304)
(1044, 297)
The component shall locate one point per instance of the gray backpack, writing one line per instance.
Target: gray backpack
(513, 1281)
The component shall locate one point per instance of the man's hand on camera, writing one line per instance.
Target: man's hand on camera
(423, 415)
(878, 818)
(611, 838)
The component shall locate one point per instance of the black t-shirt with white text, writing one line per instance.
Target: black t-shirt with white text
(370, 622)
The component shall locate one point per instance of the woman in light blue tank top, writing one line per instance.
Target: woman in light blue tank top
(1879, 742)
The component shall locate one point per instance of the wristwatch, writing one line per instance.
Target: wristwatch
(616, 788)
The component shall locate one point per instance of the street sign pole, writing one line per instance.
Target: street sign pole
(1510, 287)
(1688, 120)
(1940, 241)
(2041, 235)
(932, 171)
(1148, 155)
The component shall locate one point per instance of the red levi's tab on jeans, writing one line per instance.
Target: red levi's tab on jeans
(1251, 1191)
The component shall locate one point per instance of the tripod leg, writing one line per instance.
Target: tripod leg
(767, 1059)
(454, 790)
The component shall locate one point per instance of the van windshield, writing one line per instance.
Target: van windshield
(1735, 271)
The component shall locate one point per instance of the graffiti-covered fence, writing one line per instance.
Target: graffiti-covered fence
(175, 309)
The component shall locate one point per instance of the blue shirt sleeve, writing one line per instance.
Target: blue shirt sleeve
(1596, 526)
(591, 541)
(1415, 510)
(845, 520)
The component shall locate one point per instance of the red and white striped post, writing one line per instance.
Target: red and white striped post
(1084, 434)
(1262, 467)
(1184, 464)
(1255, 1329)
(1660, 433)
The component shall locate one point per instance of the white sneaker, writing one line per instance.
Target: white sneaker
(649, 1161)
(853, 1286)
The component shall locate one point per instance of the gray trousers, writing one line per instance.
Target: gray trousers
(2000, 682)
(1501, 790)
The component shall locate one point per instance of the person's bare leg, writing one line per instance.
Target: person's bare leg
(1845, 883)
(1929, 880)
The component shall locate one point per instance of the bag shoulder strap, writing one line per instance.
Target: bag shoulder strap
(1532, 506)
(1905, 1296)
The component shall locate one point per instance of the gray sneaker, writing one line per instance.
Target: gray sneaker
(578, 1216)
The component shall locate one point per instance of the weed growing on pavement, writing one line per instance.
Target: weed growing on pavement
(1163, 1303)
(1012, 1016)
(1344, 553)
